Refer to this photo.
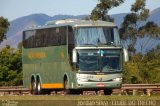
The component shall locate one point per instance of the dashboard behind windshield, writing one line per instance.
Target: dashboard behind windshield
(94, 60)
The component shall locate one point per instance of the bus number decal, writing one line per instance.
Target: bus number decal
(36, 55)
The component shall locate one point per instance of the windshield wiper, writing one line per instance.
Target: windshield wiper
(110, 44)
(110, 70)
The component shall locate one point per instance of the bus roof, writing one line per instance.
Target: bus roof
(75, 23)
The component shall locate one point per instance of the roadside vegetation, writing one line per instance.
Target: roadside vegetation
(10, 66)
(143, 68)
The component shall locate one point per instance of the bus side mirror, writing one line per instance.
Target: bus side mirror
(74, 56)
(125, 55)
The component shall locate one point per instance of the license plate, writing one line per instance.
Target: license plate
(100, 85)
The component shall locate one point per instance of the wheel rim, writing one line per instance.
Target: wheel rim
(66, 86)
(39, 87)
(34, 85)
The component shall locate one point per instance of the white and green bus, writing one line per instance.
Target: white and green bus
(72, 55)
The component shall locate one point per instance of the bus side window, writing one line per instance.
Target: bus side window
(31, 41)
(54, 37)
(52, 33)
(29, 37)
(70, 36)
(38, 38)
(46, 37)
(62, 36)
(71, 43)
(24, 40)
(57, 37)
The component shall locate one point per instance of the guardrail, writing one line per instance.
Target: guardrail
(18, 90)
(127, 89)
(134, 89)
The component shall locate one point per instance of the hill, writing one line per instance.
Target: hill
(14, 35)
(155, 16)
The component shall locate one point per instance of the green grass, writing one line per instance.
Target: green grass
(78, 97)
(74, 100)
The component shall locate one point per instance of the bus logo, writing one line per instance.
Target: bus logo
(36, 55)
(100, 79)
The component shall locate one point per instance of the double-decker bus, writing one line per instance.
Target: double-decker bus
(72, 55)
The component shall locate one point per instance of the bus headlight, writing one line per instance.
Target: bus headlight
(117, 79)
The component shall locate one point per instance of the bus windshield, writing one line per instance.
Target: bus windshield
(92, 60)
(96, 36)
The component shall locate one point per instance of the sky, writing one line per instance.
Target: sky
(13, 9)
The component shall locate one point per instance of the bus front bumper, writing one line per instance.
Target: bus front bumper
(99, 85)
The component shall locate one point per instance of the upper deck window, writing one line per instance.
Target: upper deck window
(97, 36)
(45, 37)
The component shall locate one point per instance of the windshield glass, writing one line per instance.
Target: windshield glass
(88, 60)
(110, 63)
(97, 35)
(99, 60)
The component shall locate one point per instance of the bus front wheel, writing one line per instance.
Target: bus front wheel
(66, 87)
(70, 91)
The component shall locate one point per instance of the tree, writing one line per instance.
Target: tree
(102, 8)
(143, 71)
(4, 25)
(149, 35)
(10, 66)
(135, 26)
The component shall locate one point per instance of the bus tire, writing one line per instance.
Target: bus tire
(79, 92)
(107, 91)
(39, 88)
(33, 87)
(46, 91)
(66, 87)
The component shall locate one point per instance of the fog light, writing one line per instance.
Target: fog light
(80, 85)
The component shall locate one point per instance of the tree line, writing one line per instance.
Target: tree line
(142, 67)
(10, 59)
